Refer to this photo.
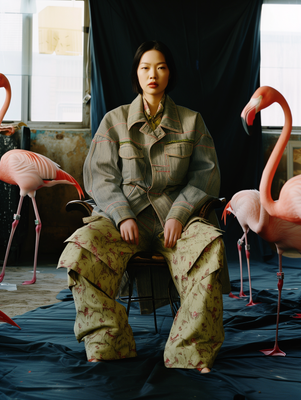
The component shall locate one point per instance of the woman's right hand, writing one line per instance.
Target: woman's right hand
(129, 231)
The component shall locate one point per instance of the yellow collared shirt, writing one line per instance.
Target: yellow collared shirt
(154, 120)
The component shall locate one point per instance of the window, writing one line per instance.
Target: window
(42, 53)
(281, 58)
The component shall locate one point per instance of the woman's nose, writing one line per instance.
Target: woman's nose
(153, 74)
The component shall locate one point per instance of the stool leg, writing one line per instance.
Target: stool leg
(130, 296)
(153, 301)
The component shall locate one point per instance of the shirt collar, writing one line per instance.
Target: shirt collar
(170, 117)
(154, 120)
(147, 109)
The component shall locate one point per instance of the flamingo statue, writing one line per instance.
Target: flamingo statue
(249, 206)
(245, 206)
(30, 171)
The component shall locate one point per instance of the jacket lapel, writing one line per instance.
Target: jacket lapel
(170, 119)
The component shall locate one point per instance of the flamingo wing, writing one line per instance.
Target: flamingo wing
(52, 174)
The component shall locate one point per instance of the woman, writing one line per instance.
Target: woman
(150, 168)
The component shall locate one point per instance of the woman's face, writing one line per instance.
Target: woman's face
(153, 73)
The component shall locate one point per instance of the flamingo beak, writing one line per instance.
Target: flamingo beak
(248, 114)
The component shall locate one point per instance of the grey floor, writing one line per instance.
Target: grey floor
(17, 299)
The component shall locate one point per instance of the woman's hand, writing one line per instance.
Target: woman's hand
(129, 231)
(172, 232)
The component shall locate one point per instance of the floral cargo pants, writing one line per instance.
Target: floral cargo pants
(96, 258)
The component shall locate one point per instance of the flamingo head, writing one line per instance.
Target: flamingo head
(227, 210)
(262, 98)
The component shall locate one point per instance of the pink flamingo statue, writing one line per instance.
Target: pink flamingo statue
(30, 171)
(245, 205)
(248, 205)
(5, 318)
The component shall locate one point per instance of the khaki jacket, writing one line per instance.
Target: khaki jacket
(130, 167)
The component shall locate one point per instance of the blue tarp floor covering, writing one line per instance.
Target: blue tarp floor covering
(43, 360)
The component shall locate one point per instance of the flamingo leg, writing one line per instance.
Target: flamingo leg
(38, 231)
(276, 351)
(247, 251)
(15, 223)
(239, 247)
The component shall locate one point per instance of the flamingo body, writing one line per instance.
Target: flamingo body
(250, 213)
(32, 171)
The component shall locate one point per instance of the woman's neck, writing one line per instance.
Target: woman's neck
(153, 102)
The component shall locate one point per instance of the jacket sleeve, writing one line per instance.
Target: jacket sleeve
(102, 178)
(203, 178)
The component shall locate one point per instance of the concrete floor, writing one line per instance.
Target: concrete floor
(17, 299)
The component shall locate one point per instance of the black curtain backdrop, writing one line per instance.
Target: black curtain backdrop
(216, 48)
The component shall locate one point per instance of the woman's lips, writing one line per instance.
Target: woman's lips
(152, 85)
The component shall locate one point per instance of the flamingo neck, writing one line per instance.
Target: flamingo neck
(6, 103)
(274, 159)
(263, 221)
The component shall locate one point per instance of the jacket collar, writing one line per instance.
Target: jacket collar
(170, 118)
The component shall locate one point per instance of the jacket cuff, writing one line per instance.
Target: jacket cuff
(121, 213)
(180, 211)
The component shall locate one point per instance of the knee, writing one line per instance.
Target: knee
(219, 244)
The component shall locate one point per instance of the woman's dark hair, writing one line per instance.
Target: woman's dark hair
(153, 45)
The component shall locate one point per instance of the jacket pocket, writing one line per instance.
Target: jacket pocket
(133, 165)
(178, 158)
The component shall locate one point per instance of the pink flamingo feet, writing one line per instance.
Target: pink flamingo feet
(233, 296)
(274, 352)
(29, 282)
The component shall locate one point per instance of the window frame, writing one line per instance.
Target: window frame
(27, 22)
(296, 130)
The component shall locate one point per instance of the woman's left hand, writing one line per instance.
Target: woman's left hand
(172, 232)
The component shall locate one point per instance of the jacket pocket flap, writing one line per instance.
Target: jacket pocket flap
(181, 150)
(129, 151)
